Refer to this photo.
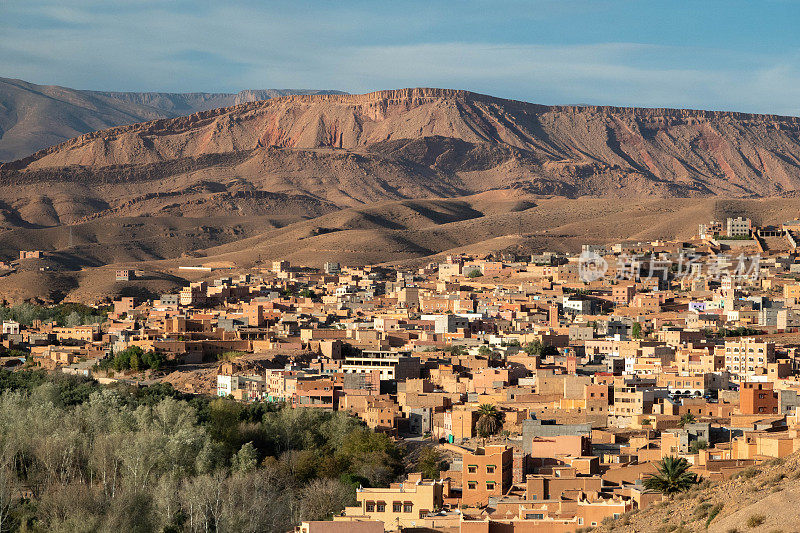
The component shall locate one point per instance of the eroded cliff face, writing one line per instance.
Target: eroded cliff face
(477, 142)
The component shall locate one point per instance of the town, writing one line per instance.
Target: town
(549, 390)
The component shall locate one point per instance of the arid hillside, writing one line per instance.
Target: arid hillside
(391, 176)
(415, 139)
(33, 117)
(81, 258)
(760, 499)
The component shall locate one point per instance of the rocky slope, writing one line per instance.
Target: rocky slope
(761, 499)
(33, 116)
(466, 141)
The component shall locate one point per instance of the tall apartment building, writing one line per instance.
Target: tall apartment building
(746, 356)
(739, 227)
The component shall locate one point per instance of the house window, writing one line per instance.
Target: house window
(397, 507)
(490, 469)
(381, 507)
(407, 507)
(580, 521)
(472, 469)
(370, 507)
(472, 485)
(490, 485)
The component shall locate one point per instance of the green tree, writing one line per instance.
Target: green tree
(687, 418)
(475, 274)
(489, 420)
(430, 463)
(73, 319)
(246, 459)
(636, 330)
(698, 445)
(673, 476)
(533, 348)
(485, 351)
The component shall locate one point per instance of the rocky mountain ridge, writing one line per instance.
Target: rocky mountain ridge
(565, 150)
(33, 116)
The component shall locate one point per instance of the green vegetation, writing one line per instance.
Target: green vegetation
(673, 476)
(456, 350)
(747, 473)
(489, 420)
(733, 237)
(431, 463)
(123, 458)
(712, 514)
(475, 274)
(756, 520)
(133, 358)
(537, 348)
(229, 355)
(65, 314)
(687, 418)
(636, 330)
(738, 332)
(485, 351)
(698, 445)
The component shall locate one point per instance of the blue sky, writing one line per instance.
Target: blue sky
(731, 55)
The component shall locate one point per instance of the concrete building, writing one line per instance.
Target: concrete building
(486, 472)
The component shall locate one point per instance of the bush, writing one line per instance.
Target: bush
(747, 473)
(756, 520)
(712, 514)
(701, 511)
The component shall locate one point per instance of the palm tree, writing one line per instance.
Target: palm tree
(488, 420)
(687, 418)
(673, 476)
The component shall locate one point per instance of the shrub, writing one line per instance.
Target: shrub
(755, 520)
(776, 479)
(712, 513)
(701, 511)
(747, 473)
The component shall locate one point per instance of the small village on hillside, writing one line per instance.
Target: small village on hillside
(543, 391)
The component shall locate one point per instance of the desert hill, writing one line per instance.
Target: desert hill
(470, 142)
(33, 117)
(393, 176)
(82, 257)
(761, 499)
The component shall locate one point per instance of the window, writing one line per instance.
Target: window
(381, 507)
(397, 507)
(490, 469)
(407, 507)
(370, 507)
(472, 469)
(472, 485)
(580, 521)
(490, 485)
(534, 516)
